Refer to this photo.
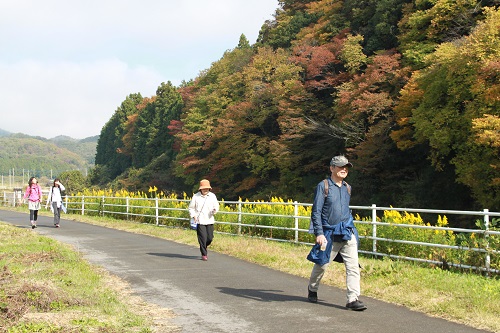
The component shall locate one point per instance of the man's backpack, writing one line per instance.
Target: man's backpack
(325, 181)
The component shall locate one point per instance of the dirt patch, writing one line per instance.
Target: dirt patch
(158, 316)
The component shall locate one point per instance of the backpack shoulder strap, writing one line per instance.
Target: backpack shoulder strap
(325, 181)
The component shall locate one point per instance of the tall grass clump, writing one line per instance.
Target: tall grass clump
(262, 219)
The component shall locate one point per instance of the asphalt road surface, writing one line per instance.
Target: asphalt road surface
(225, 294)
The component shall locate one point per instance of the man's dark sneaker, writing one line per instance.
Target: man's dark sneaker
(312, 296)
(356, 306)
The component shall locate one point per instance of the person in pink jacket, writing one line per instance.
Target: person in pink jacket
(34, 195)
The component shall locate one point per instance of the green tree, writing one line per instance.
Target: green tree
(238, 134)
(426, 24)
(110, 142)
(442, 101)
(205, 103)
(152, 137)
(352, 53)
(375, 20)
(73, 181)
(243, 43)
(283, 30)
(328, 22)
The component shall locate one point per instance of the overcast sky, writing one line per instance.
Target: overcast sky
(66, 65)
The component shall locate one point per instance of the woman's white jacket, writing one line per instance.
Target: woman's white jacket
(204, 207)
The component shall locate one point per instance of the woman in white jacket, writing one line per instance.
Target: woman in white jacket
(202, 208)
(55, 200)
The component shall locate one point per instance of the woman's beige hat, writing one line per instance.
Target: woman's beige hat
(204, 183)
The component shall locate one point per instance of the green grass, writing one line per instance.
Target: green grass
(47, 287)
(465, 298)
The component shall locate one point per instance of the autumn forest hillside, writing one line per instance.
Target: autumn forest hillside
(408, 90)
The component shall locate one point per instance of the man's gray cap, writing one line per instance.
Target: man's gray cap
(340, 161)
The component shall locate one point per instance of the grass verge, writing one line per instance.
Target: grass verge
(464, 298)
(47, 287)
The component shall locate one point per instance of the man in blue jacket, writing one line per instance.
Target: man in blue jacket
(331, 211)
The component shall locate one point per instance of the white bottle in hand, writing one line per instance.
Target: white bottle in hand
(323, 245)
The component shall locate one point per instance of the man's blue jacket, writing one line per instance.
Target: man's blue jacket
(334, 233)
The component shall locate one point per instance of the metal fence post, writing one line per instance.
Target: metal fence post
(102, 206)
(127, 200)
(156, 205)
(83, 205)
(239, 216)
(296, 213)
(487, 262)
(374, 228)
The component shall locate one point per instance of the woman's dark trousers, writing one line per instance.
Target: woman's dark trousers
(205, 236)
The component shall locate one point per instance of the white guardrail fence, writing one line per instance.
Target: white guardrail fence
(377, 237)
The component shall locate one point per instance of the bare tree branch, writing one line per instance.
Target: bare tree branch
(351, 132)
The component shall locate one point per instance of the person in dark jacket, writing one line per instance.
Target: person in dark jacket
(331, 212)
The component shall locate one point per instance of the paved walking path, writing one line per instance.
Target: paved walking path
(225, 294)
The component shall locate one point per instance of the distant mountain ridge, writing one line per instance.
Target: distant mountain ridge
(62, 153)
(83, 147)
(4, 133)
